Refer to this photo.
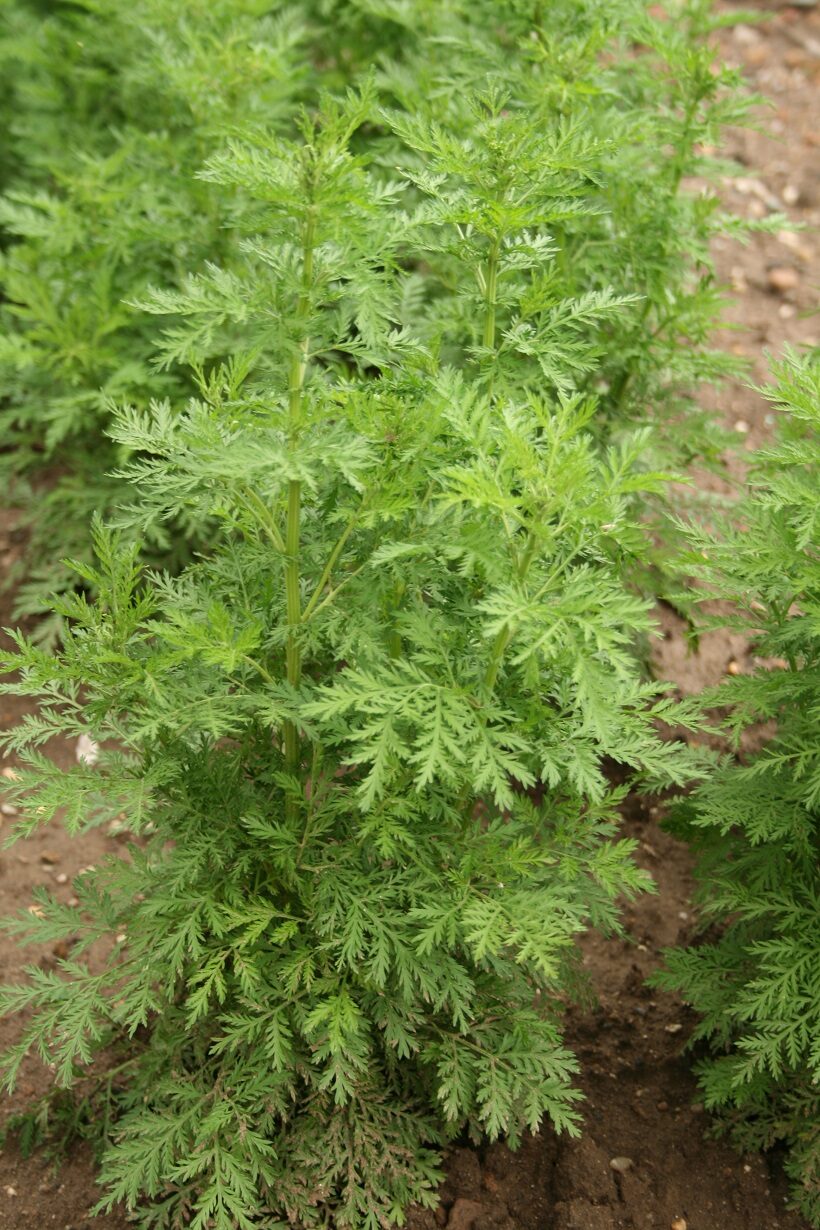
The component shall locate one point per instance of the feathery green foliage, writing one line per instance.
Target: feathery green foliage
(756, 823)
(113, 109)
(551, 149)
(361, 744)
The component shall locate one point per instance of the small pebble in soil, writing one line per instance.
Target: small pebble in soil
(794, 240)
(733, 668)
(10, 1191)
(786, 311)
(73, 902)
(464, 1213)
(674, 1028)
(621, 1164)
(679, 1223)
(11, 774)
(742, 426)
(62, 878)
(783, 278)
(791, 194)
(737, 277)
(757, 55)
(87, 751)
(8, 810)
(746, 34)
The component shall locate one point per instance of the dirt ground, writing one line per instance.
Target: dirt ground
(641, 1109)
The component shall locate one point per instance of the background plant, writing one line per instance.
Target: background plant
(114, 109)
(756, 823)
(362, 744)
(585, 102)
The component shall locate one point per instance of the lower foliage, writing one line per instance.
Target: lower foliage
(756, 823)
(299, 1005)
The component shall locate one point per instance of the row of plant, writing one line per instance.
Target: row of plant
(376, 328)
(755, 823)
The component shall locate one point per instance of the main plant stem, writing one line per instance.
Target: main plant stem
(491, 305)
(491, 295)
(296, 389)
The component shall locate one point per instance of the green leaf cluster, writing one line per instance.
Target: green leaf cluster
(756, 822)
(364, 742)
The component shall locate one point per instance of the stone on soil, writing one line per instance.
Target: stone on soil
(783, 278)
(464, 1214)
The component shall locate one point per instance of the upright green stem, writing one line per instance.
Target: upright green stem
(491, 304)
(296, 386)
(491, 295)
(685, 143)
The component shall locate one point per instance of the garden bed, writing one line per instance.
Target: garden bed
(641, 1099)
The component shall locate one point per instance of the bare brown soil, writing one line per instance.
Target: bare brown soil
(641, 1106)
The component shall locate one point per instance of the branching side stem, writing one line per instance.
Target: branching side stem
(491, 295)
(296, 387)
